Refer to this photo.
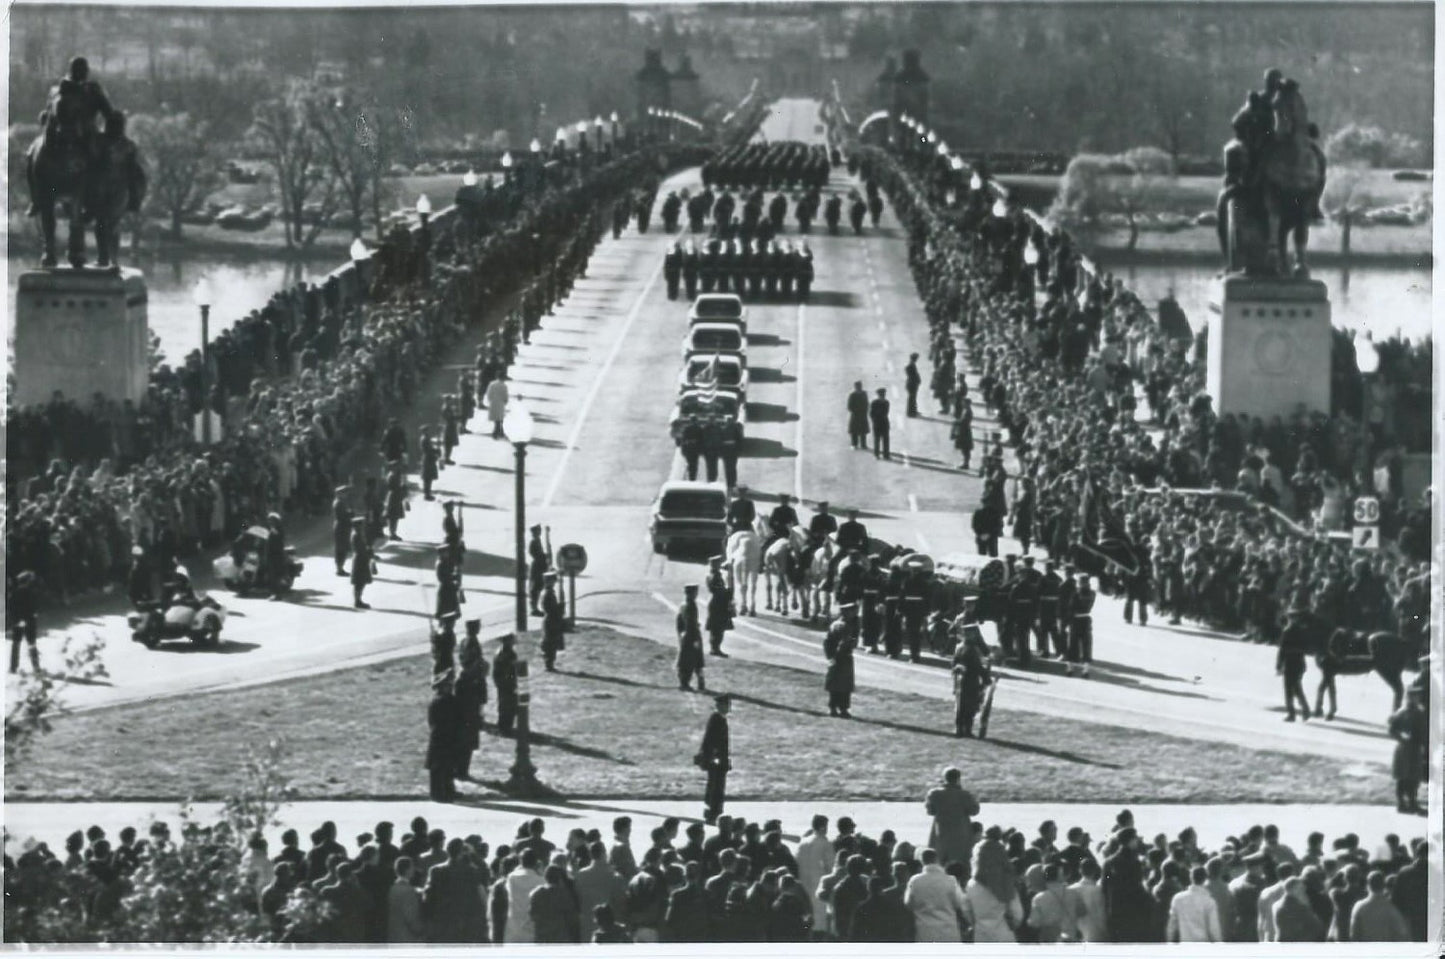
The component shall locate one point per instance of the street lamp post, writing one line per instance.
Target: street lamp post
(523, 779)
(517, 424)
(361, 263)
(202, 294)
(423, 212)
(535, 148)
(613, 118)
(1367, 361)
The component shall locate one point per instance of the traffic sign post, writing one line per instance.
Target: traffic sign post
(1365, 537)
(1367, 511)
(572, 559)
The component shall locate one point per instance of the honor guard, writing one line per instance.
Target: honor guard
(719, 605)
(742, 511)
(850, 578)
(712, 440)
(689, 270)
(1046, 626)
(504, 675)
(1081, 628)
(553, 622)
(672, 269)
(915, 610)
(893, 611)
(689, 641)
(689, 442)
(444, 723)
(430, 458)
(875, 580)
(732, 444)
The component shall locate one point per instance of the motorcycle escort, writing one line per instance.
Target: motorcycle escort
(244, 569)
(185, 615)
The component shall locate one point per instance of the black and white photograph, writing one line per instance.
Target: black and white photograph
(802, 474)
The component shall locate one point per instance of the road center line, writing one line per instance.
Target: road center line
(912, 502)
(597, 382)
(798, 430)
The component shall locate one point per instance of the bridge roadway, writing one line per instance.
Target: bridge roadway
(600, 380)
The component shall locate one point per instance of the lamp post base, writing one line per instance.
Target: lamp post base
(523, 780)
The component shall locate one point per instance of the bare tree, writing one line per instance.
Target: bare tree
(1135, 193)
(281, 130)
(184, 162)
(1346, 197)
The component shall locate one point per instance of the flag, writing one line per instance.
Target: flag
(706, 380)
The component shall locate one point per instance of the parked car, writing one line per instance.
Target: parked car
(1390, 216)
(398, 169)
(425, 169)
(718, 308)
(688, 513)
(723, 338)
(723, 402)
(731, 372)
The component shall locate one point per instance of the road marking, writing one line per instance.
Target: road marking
(592, 393)
(888, 365)
(798, 438)
(912, 501)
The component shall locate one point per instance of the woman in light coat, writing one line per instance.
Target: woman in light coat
(990, 900)
(496, 399)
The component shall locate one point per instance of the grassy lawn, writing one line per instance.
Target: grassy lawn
(614, 724)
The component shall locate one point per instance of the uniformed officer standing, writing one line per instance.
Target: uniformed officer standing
(449, 586)
(452, 530)
(782, 519)
(1046, 626)
(466, 390)
(504, 675)
(362, 560)
(1137, 586)
(444, 724)
(689, 270)
(878, 415)
(850, 578)
(833, 213)
(689, 441)
(874, 582)
(671, 207)
(443, 647)
(430, 457)
(1081, 629)
(341, 529)
(911, 382)
(554, 622)
(1296, 642)
(538, 562)
(838, 649)
(471, 694)
(689, 641)
(719, 605)
(858, 416)
(396, 505)
(915, 610)
(450, 428)
(987, 524)
(1023, 610)
(852, 535)
(715, 758)
(893, 611)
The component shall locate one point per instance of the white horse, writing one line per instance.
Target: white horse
(780, 565)
(817, 580)
(745, 557)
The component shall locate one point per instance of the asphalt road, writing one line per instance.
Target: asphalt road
(600, 379)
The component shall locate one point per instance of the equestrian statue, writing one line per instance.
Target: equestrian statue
(94, 172)
(1274, 176)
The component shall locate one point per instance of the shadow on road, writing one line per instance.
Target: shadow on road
(771, 413)
(767, 339)
(767, 374)
(224, 647)
(755, 448)
(841, 299)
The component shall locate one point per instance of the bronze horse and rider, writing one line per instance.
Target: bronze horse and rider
(95, 174)
(1273, 180)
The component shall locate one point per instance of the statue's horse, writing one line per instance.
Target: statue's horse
(89, 181)
(1349, 652)
(745, 555)
(1292, 177)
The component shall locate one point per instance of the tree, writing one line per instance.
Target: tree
(35, 700)
(282, 132)
(353, 150)
(184, 159)
(1084, 194)
(1136, 192)
(1346, 197)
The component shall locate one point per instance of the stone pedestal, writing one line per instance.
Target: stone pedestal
(1269, 347)
(81, 332)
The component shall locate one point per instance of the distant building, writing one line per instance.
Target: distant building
(653, 85)
(685, 91)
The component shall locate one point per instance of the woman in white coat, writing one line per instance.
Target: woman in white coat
(496, 400)
(990, 900)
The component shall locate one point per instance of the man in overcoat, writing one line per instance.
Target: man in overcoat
(838, 649)
(952, 808)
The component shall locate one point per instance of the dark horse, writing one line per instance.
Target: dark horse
(92, 184)
(1350, 652)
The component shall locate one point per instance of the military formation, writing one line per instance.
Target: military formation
(771, 166)
(753, 269)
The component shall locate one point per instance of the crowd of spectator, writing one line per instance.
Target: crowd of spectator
(302, 383)
(738, 882)
(1060, 351)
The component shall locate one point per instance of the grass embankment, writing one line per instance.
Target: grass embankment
(614, 724)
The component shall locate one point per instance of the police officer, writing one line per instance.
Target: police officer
(449, 586)
(719, 605)
(341, 518)
(971, 676)
(689, 641)
(430, 458)
(732, 442)
(822, 525)
(708, 268)
(504, 674)
(554, 622)
(672, 269)
(452, 530)
(444, 722)
(671, 207)
(742, 512)
(1081, 628)
(782, 519)
(1046, 626)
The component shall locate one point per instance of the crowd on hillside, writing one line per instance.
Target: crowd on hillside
(1059, 374)
(739, 882)
(305, 381)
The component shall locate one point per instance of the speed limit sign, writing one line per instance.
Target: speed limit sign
(1367, 511)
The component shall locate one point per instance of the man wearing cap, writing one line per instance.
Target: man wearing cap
(838, 649)
(719, 605)
(1081, 627)
(553, 622)
(878, 416)
(742, 512)
(538, 562)
(362, 561)
(1295, 643)
(504, 675)
(714, 758)
(471, 695)
(858, 416)
(1023, 609)
(689, 641)
(341, 517)
(22, 605)
(911, 382)
(1046, 626)
(875, 580)
(971, 676)
(430, 458)
(444, 722)
(732, 444)
(449, 586)
(782, 519)
(850, 578)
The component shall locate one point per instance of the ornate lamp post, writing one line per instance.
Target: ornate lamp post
(1367, 361)
(517, 424)
(361, 263)
(955, 164)
(423, 211)
(202, 295)
(507, 162)
(535, 148)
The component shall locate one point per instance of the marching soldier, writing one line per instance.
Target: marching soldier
(341, 518)
(689, 642)
(504, 675)
(778, 212)
(1081, 631)
(1046, 626)
(362, 560)
(672, 269)
(787, 266)
(856, 211)
(554, 622)
(893, 612)
(833, 213)
(804, 272)
(851, 576)
(471, 694)
(719, 605)
(671, 207)
(689, 270)
(709, 266)
(537, 566)
(715, 758)
(838, 649)
(689, 441)
(712, 441)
